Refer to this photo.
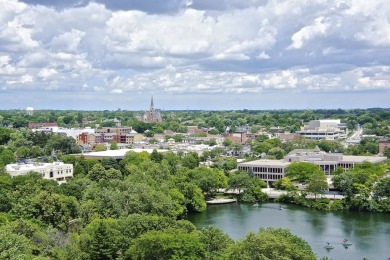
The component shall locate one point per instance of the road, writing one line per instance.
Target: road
(355, 137)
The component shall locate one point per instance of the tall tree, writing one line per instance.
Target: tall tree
(301, 171)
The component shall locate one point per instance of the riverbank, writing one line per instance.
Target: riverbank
(274, 194)
(220, 201)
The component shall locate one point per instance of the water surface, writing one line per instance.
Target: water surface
(369, 232)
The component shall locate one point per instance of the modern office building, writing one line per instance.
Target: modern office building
(329, 129)
(273, 170)
(57, 171)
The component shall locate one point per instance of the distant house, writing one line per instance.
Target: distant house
(195, 130)
(383, 145)
(133, 137)
(40, 125)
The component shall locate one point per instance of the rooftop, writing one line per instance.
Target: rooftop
(266, 162)
(117, 154)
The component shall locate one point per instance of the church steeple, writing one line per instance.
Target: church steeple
(151, 116)
(151, 112)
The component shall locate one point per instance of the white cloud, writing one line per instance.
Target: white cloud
(23, 80)
(68, 41)
(117, 91)
(46, 74)
(233, 47)
(318, 28)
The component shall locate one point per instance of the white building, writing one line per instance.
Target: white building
(69, 132)
(329, 129)
(57, 171)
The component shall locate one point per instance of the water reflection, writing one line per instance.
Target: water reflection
(368, 232)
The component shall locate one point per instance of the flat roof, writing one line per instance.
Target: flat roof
(117, 154)
(345, 159)
(265, 162)
(371, 159)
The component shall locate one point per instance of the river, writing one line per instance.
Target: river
(369, 232)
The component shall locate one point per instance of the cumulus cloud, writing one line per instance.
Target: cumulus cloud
(318, 28)
(179, 47)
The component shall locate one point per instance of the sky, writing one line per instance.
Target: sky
(194, 54)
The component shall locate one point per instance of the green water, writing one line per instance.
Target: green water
(369, 232)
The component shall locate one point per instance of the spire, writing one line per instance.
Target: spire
(151, 103)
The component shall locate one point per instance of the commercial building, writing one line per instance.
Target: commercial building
(273, 170)
(53, 128)
(329, 129)
(116, 154)
(57, 171)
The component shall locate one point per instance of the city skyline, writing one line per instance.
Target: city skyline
(196, 55)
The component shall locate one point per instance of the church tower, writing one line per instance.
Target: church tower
(151, 112)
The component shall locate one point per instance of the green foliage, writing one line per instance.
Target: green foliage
(63, 144)
(213, 132)
(239, 180)
(301, 171)
(387, 152)
(337, 205)
(225, 163)
(6, 157)
(101, 240)
(201, 134)
(216, 241)
(14, 247)
(156, 156)
(114, 146)
(317, 184)
(153, 141)
(277, 152)
(331, 146)
(191, 160)
(285, 183)
(168, 244)
(227, 142)
(54, 209)
(270, 243)
(382, 188)
(133, 158)
(100, 148)
(111, 210)
(115, 198)
(209, 180)
(254, 194)
(5, 135)
(179, 202)
(194, 198)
